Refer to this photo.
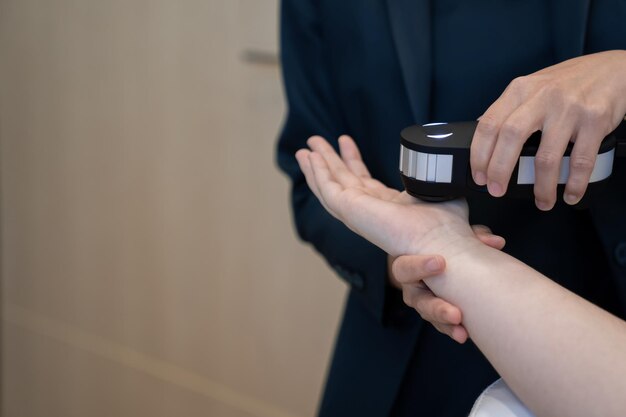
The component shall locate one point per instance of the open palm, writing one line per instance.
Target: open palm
(393, 220)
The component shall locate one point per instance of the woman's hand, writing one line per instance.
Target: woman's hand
(581, 100)
(347, 190)
(393, 220)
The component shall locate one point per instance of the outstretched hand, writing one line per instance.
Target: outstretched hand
(393, 220)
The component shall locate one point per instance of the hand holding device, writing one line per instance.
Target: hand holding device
(580, 100)
(435, 163)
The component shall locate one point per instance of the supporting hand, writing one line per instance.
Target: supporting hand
(407, 274)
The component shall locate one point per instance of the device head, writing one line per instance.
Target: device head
(435, 163)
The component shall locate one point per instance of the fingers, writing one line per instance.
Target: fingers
(336, 165)
(409, 271)
(302, 156)
(412, 269)
(352, 157)
(458, 333)
(327, 187)
(484, 234)
(581, 164)
(430, 307)
(444, 316)
(489, 124)
(514, 132)
(554, 141)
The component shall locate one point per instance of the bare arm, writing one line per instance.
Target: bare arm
(560, 354)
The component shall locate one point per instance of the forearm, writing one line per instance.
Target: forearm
(561, 355)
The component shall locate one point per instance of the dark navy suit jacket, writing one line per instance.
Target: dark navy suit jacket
(364, 67)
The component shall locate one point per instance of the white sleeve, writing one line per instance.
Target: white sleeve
(499, 401)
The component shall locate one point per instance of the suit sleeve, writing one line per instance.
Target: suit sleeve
(312, 110)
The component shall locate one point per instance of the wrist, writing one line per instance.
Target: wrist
(447, 239)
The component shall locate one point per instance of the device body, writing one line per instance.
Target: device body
(435, 163)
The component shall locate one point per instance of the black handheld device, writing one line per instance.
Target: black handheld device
(435, 162)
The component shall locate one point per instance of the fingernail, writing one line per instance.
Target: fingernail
(458, 335)
(498, 240)
(571, 199)
(433, 265)
(542, 205)
(480, 178)
(495, 189)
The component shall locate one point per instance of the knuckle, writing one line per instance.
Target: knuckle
(553, 91)
(519, 84)
(598, 115)
(488, 125)
(547, 160)
(595, 111)
(572, 102)
(440, 312)
(511, 131)
(582, 163)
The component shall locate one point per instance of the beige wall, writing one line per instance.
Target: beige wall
(149, 265)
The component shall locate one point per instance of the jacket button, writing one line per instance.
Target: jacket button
(620, 254)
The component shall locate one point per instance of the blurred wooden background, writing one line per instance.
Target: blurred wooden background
(149, 266)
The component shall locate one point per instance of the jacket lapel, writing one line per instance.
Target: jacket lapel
(569, 23)
(410, 27)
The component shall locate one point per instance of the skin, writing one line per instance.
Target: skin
(560, 354)
(445, 317)
(580, 100)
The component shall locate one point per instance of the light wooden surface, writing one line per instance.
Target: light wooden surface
(149, 265)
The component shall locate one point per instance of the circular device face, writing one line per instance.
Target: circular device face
(438, 136)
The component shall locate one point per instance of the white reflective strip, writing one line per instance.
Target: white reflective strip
(412, 164)
(603, 167)
(601, 170)
(564, 170)
(405, 161)
(401, 156)
(444, 168)
(431, 173)
(422, 166)
(526, 171)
